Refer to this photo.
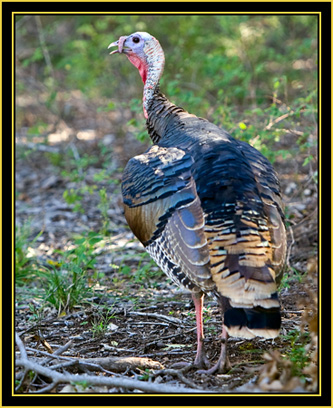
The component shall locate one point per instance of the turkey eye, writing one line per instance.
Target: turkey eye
(136, 40)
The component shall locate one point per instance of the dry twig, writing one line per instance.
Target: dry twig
(179, 374)
(169, 319)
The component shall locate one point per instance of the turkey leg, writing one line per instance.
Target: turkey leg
(201, 359)
(223, 364)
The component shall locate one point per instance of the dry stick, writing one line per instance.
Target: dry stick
(168, 319)
(180, 375)
(43, 45)
(290, 246)
(277, 120)
(24, 356)
(150, 324)
(83, 366)
(47, 354)
(22, 379)
(130, 384)
(58, 352)
(297, 312)
(46, 389)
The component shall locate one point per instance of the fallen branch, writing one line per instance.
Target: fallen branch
(60, 378)
(94, 380)
(115, 364)
(121, 364)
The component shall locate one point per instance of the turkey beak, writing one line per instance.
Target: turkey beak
(119, 44)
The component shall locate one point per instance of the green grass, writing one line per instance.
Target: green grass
(146, 272)
(101, 321)
(66, 282)
(25, 262)
(104, 206)
(60, 280)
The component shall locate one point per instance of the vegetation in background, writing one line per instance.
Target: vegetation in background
(255, 75)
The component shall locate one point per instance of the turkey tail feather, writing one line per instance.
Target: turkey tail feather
(249, 323)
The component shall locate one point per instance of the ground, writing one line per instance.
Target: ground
(133, 311)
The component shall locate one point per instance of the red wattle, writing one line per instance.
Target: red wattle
(140, 65)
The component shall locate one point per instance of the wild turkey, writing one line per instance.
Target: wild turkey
(207, 208)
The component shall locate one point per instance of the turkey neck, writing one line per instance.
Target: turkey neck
(164, 118)
(155, 104)
(151, 69)
(158, 110)
(161, 113)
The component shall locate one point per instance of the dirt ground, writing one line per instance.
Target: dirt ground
(150, 319)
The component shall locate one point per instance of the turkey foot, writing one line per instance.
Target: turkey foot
(201, 360)
(223, 364)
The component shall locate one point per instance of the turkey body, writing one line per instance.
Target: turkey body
(207, 208)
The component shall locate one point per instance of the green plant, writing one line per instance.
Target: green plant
(145, 375)
(72, 164)
(137, 123)
(298, 353)
(146, 273)
(65, 287)
(65, 282)
(25, 260)
(80, 385)
(39, 129)
(288, 277)
(73, 196)
(104, 206)
(100, 324)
